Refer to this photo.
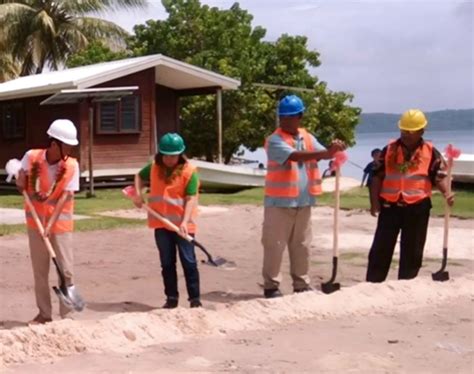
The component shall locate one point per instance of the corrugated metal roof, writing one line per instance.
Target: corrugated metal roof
(169, 72)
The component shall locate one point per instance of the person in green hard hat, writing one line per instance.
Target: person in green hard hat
(174, 185)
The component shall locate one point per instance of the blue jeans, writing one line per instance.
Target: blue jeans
(167, 241)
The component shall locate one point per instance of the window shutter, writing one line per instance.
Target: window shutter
(108, 117)
(129, 113)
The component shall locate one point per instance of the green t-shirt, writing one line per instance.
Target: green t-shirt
(191, 188)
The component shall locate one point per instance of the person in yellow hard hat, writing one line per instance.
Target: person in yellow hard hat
(400, 194)
(174, 185)
(50, 177)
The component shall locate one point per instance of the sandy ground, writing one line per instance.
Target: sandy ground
(416, 326)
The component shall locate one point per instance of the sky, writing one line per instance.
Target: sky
(392, 55)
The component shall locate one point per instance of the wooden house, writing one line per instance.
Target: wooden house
(125, 131)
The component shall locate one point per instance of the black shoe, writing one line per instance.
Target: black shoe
(196, 303)
(304, 289)
(170, 304)
(272, 293)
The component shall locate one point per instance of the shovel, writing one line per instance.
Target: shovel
(67, 295)
(218, 261)
(442, 275)
(330, 286)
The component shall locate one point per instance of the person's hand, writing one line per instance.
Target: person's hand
(375, 208)
(46, 233)
(20, 181)
(183, 229)
(336, 146)
(138, 201)
(449, 198)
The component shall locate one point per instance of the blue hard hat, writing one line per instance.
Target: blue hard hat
(290, 105)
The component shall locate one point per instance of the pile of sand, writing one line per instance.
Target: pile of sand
(128, 332)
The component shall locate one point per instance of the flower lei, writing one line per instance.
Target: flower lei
(36, 184)
(404, 166)
(177, 171)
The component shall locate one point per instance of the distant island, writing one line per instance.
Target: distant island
(442, 120)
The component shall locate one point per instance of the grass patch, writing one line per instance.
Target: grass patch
(358, 198)
(95, 223)
(438, 261)
(253, 196)
(12, 229)
(112, 199)
(348, 256)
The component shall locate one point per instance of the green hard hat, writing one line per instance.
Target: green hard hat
(171, 144)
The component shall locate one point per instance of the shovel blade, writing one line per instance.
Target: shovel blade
(69, 298)
(328, 288)
(219, 261)
(440, 276)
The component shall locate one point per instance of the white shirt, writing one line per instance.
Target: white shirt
(52, 170)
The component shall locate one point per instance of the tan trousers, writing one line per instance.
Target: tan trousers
(286, 227)
(40, 260)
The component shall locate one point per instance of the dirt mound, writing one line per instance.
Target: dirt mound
(127, 332)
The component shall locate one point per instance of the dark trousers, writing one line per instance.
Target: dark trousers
(412, 221)
(167, 243)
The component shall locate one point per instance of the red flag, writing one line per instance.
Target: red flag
(339, 159)
(129, 191)
(452, 152)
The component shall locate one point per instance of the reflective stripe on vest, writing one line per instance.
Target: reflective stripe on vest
(412, 186)
(282, 181)
(45, 209)
(169, 199)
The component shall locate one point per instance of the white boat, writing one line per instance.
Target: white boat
(463, 168)
(228, 177)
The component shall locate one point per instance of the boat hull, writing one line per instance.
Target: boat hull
(228, 177)
(463, 168)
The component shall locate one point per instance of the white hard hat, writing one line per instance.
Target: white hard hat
(64, 131)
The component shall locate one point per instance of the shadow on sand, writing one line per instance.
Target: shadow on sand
(120, 307)
(229, 297)
(7, 325)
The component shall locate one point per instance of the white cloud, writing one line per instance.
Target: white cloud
(391, 54)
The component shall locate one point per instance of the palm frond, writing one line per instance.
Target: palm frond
(9, 67)
(44, 23)
(100, 6)
(99, 29)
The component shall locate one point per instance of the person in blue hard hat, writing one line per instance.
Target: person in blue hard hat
(292, 183)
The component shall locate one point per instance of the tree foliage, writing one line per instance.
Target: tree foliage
(225, 41)
(43, 33)
(94, 53)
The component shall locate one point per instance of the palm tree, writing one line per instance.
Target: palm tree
(9, 68)
(43, 33)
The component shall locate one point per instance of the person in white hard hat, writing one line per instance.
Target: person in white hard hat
(50, 176)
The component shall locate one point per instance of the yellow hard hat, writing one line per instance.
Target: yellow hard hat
(412, 120)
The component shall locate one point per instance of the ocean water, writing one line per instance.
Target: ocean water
(359, 154)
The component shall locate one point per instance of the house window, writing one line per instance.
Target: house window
(119, 116)
(13, 120)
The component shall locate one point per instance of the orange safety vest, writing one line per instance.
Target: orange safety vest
(169, 199)
(282, 180)
(44, 208)
(410, 186)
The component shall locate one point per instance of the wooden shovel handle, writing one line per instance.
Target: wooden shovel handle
(167, 222)
(447, 208)
(57, 211)
(337, 203)
(39, 224)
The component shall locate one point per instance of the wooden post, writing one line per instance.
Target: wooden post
(219, 125)
(91, 145)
